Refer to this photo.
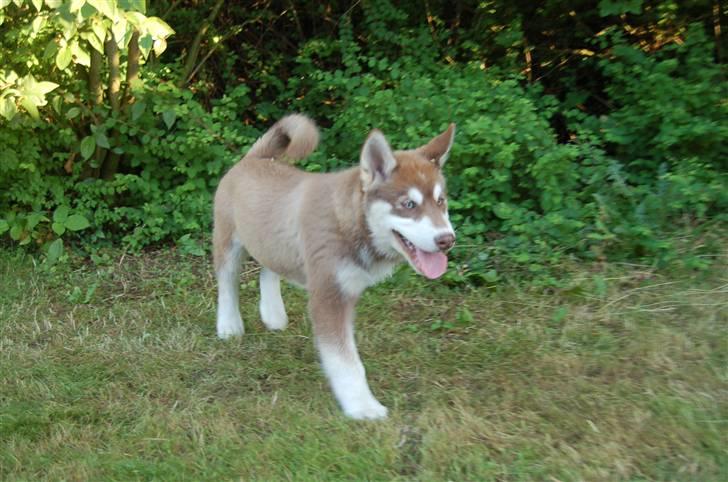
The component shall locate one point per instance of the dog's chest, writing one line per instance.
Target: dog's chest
(353, 279)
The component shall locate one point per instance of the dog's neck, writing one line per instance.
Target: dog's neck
(351, 207)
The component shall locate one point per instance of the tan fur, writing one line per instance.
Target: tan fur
(303, 226)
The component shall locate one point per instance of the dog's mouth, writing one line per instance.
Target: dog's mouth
(431, 265)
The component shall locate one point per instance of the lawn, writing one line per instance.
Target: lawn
(112, 371)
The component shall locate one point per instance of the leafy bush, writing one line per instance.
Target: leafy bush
(536, 173)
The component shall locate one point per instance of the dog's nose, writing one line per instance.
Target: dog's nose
(445, 241)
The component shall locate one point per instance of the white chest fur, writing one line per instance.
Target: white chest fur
(354, 279)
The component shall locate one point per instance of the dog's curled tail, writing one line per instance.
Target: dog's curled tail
(291, 139)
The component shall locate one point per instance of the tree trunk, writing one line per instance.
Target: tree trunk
(194, 51)
(111, 163)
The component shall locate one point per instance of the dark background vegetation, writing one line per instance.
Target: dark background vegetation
(586, 129)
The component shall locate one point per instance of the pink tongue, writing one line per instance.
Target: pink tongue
(432, 265)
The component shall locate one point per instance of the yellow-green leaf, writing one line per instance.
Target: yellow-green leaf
(106, 7)
(8, 108)
(30, 107)
(64, 57)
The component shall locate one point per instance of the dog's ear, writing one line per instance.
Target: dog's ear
(438, 149)
(377, 160)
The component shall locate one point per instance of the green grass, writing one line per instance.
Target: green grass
(113, 372)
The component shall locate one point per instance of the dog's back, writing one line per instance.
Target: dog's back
(257, 200)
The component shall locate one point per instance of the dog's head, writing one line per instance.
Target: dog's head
(406, 201)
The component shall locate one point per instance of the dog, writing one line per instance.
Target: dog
(334, 234)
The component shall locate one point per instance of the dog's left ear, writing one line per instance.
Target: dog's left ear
(438, 149)
(377, 160)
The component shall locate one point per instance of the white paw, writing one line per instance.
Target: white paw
(369, 410)
(273, 315)
(229, 327)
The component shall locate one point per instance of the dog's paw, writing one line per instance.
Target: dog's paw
(273, 315)
(229, 328)
(371, 410)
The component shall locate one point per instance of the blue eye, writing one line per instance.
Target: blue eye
(409, 204)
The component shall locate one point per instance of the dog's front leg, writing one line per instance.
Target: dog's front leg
(333, 322)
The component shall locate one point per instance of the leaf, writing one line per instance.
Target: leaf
(61, 214)
(121, 32)
(55, 250)
(99, 28)
(146, 42)
(94, 41)
(137, 110)
(76, 222)
(38, 23)
(80, 56)
(4, 3)
(16, 232)
(38, 4)
(160, 45)
(169, 116)
(45, 87)
(58, 228)
(64, 57)
(102, 140)
(72, 113)
(88, 146)
(157, 27)
(30, 107)
(8, 108)
(4, 226)
(138, 5)
(106, 7)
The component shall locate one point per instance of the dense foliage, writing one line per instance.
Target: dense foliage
(591, 129)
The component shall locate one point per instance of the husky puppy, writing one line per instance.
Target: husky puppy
(335, 234)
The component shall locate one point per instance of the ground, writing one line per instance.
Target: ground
(112, 371)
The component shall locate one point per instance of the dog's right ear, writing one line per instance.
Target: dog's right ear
(377, 160)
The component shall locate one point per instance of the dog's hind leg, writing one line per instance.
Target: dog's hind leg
(272, 310)
(228, 253)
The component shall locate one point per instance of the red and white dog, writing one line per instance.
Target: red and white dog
(335, 234)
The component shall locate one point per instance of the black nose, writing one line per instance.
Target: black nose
(445, 241)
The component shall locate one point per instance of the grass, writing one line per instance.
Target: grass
(112, 372)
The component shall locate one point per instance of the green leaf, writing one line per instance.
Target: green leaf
(76, 222)
(4, 226)
(146, 42)
(64, 57)
(88, 146)
(169, 116)
(58, 228)
(16, 232)
(138, 5)
(60, 215)
(137, 110)
(38, 4)
(8, 108)
(55, 250)
(72, 113)
(102, 140)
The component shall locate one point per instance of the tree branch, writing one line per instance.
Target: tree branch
(194, 51)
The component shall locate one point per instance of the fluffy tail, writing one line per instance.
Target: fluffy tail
(291, 138)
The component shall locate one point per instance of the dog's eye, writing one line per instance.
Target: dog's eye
(409, 204)
(440, 201)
